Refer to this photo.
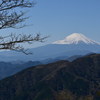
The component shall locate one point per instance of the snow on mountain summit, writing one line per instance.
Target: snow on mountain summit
(76, 38)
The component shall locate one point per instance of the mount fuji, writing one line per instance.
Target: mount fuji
(76, 38)
(74, 44)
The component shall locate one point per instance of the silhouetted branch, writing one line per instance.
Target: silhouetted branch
(11, 42)
(11, 17)
(11, 4)
(12, 20)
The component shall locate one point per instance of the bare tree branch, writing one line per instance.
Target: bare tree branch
(11, 4)
(10, 17)
(11, 42)
(12, 20)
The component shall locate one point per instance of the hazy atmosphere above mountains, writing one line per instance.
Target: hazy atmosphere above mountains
(74, 44)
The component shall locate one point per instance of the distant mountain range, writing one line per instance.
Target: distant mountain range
(8, 68)
(62, 80)
(51, 60)
(11, 68)
(74, 44)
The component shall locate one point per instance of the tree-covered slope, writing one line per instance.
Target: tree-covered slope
(63, 80)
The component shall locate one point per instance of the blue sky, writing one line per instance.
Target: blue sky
(59, 18)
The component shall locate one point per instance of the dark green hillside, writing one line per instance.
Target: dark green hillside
(78, 80)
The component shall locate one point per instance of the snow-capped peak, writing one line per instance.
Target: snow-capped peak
(76, 38)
